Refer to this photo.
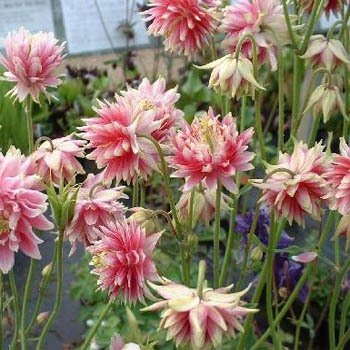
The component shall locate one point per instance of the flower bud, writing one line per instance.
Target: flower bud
(256, 254)
(192, 241)
(145, 218)
(42, 317)
(46, 270)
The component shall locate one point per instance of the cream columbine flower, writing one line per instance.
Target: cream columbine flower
(328, 53)
(325, 101)
(199, 318)
(232, 76)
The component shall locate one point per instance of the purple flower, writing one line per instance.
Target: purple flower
(244, 222)
(287, 274)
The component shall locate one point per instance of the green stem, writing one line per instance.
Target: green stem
(229, 244)
(42, 288)
(289, 25)
(280, 101)
(314, 129)
(14, 292)
(142, 193)
(186, 276)
(286, 306)
(59, 289)
(346, 77)
(344, 27)
(335, 297)
(26, 296)
(269, 292)
(135, 194)
(243, 113)
(216, 240)
(343, 340)
(28, 112)
(88, 339)
(201, 278)
(344, 312)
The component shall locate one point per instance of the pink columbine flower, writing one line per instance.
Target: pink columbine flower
(96, 205)
(210, 150)
(199, 320)
(117, 138)
(117, 343)
(31, 61)
(159, 101)
(296, 185)
(264, 19)
(330, 6)
(21, 209)
(328, 53)
(56, 160)
(185, 24)
(123, 259)
(338, 176)
(203, 204)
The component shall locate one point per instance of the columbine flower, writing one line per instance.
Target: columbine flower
(326, 100)
(123, 259)
(232, 76)
(117, 343)
(160, 102)
(21, 210)
(301, 189)
(117, 138)
(328, 53)
(204, 204)
(96, 205)
(199, 320)
(185, 24)
(209, 150)
(56, 159)
(287, 274)
(338, 176)
(31, 61)
(264, 19)
(330, 6)
(244, 223)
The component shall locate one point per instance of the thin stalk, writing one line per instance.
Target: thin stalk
(243, 113)
(343, 341)
(280, 101)
(344, 312)
(42, 288)
(229, 244)
(286, 306)
(28, 112)
(14, 292)
(142, 193)
(335, 297)
(26, 296)
(135, 194)
(201, 278)
(88, 339)
(314, 129)
(270, 259)
(344, 27)
(288, 22)
(186, 276)
(346, 77)
(59, 289)
(216, 238)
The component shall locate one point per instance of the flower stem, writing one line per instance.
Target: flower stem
(335, 297)
(289, 25)
(345, 338)
(216, 240)
(269, 292)
(286, 307)
(344, 312)
(229, 244)
(14, 292)
(28, 112)
(314, 129)
(280, 101)
(86, 344)
(201, 278)
(59, 289)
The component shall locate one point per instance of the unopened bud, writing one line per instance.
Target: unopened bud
(192, 241)
(46, 270)
(256, 254)
(145, 218)
(42, 317)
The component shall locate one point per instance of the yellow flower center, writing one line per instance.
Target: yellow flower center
(208, 130)
(4, 225)
(146, 105)
(97, 260)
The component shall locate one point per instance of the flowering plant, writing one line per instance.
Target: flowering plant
(242, 218)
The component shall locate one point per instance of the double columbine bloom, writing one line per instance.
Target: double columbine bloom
(186, 25)
(210, 150)
(122, 258)
(117, 135)
(297, 184)
(30, 63)
(199, 319)
(264, 20)
(22, 208)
